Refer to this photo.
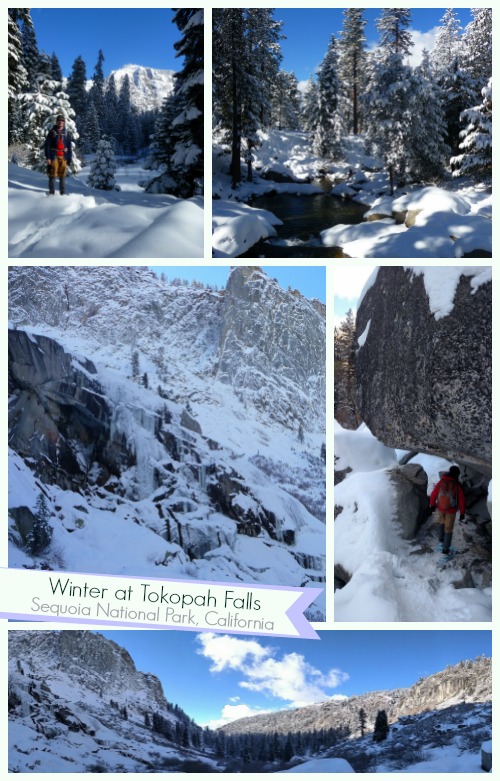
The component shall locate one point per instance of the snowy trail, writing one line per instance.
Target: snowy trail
(97, 224)
(392, 578)
(407, 582)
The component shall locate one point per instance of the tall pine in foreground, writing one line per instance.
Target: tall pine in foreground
(177, 146)
(246, 62)
(475, 158)
(328, 132)
(352, 64)
(17, 72)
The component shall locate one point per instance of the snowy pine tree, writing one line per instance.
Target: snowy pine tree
(381, 727)
(429, 153)
(56, 68)
(352, 63)
(77, 91)
(91, 133)
(17, 73)
(328, 134)
(476, 156)
(392, 96)
(31, 55)
(310, 106)
(40, 534)
(103, 168)
(285, 102)
(97, 89)
(111, 121)
(187, 156)
(245, 63)
(455, 85)
(448, 42)
(478, 51)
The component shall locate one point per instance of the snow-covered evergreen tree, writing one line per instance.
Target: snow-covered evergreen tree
(448, 42)
(187, 156)
(77, 91)
(428, 153)
(478, 51)
(91, 133)
(40, 534)
(392, 96)
(56, 68)
(161, 150)
(285, 100)
(245, 62)
(454, 83)
(394, 37)
(126, 130)
(31, 55)
(476, 155)
(41, 109)
(17, 73)
(328, 134)
(111, 121)
(97, 89)
(310, 106)
(352, 63)
(103, 168)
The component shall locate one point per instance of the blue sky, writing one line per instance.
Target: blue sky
(309, 280)
(126, 36)
(308, 33)
(216, 676)
(349, 279)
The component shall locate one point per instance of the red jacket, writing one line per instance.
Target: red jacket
(448, 495)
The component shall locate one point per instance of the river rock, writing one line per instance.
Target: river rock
(424, 381)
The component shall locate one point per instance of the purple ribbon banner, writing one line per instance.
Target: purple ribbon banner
(154, 603)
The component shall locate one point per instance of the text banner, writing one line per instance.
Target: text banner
(37, 595)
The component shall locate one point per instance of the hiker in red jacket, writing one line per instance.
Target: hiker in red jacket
(58, 153)
(449, 498)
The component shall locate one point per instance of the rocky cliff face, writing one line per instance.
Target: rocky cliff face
(469, 682)
(148, 86)
(92, 663)
(424, 362)
(182, 447)
(77, 703)
(58, 412)
(269, 338)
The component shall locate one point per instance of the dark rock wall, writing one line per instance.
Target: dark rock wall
(425, 383)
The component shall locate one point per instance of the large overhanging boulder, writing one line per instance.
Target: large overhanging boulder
(424, 361)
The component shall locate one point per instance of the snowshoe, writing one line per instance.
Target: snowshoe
(448, 556)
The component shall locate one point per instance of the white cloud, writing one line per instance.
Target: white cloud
(421, 41)
(232, 713)
(290, 678)
(230, 652)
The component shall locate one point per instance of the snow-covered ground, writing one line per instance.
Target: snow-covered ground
(392, 579)
(449, 221)
(89, 223)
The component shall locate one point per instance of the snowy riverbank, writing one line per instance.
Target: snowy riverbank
(452, 220)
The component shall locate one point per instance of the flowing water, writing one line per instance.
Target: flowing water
(304, 217)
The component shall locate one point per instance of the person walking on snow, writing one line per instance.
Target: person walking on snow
(58, 153)
(448, 497)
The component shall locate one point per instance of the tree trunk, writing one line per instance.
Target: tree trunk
(235, 168)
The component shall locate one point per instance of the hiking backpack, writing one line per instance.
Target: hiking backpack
(448, 495)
